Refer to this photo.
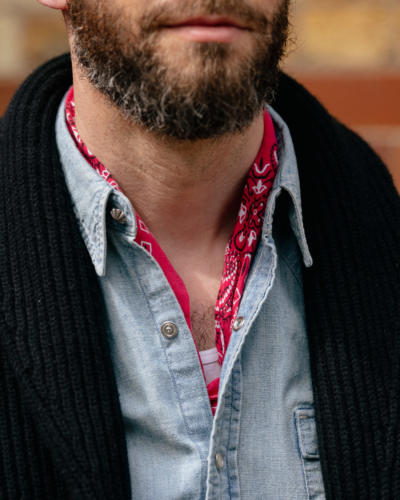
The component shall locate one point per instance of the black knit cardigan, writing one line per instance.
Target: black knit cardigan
(61, 430)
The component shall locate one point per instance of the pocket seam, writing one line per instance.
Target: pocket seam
(304, 412)
(310, 462)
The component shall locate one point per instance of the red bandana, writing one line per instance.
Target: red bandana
(240, 249)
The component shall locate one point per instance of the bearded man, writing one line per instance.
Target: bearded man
(199, 273)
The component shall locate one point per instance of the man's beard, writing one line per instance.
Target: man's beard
(224, 96)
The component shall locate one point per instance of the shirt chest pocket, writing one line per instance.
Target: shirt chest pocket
(308, 448)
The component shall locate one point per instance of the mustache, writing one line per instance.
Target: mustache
(166, 14)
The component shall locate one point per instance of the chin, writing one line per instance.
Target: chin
(193, 58)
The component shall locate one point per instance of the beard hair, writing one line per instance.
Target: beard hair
(222, 98)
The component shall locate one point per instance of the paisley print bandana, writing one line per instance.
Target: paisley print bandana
(241, 246)
(243, 243)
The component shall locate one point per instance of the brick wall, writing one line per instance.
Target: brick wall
(344, 50)
(346, 35)
(29, 34)
(330, 36)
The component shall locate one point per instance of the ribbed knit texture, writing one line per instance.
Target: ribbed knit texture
(61, 417)
(61, 431)
(352, 298)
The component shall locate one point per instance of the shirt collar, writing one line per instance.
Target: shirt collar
(93, 197)
(287, 178)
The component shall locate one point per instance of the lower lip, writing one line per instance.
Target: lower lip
(202, 33)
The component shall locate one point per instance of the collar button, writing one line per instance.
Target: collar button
(118, 215)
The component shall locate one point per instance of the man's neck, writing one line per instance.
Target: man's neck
(186, 191)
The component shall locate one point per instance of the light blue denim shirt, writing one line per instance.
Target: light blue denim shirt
(262, 443)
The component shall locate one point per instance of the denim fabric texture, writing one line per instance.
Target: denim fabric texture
(262, 443)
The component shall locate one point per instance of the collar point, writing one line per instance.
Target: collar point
(100, 268)
(308, 261)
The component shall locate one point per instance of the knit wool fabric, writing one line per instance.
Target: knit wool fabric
(61, 429)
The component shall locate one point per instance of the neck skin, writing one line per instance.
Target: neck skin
(186, 192)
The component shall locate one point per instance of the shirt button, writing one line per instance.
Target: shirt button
(219, 461)
(169, 330)
(118, 215)
(238, 323)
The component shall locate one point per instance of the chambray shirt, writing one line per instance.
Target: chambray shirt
(262, 443)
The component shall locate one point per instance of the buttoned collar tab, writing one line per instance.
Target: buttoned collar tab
(287, 178)
(120, 215)
(93, 198)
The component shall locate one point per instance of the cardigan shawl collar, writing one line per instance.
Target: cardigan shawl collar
(53, 336)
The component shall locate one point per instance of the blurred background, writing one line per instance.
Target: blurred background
(347, 52)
